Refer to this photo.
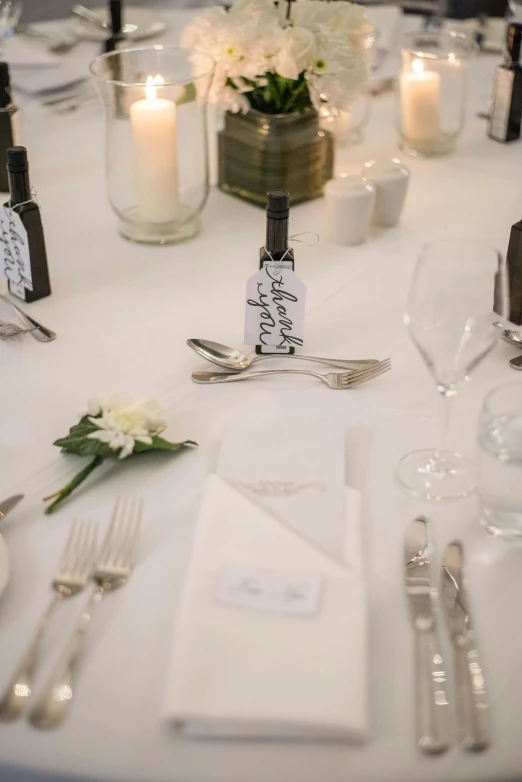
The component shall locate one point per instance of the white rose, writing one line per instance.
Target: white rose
(296, 52)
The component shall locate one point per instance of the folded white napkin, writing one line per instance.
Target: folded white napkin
(293, 467)
(33, 81)
(26, 53)
(271, 637)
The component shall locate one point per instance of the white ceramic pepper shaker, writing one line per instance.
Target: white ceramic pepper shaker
(391, 179)
(349, 206)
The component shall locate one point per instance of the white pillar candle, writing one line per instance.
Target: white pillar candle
(420, 102)
(153, 122)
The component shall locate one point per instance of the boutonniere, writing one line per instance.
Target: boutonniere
(113, 428)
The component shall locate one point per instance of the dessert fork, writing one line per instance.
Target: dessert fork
(72, 574)
(336, 380)
(115, 564)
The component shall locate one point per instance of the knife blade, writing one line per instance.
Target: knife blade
(472, 705)
(432, 709)
(7, 505)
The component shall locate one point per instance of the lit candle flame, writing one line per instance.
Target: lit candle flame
(150, 89)
(417, 66)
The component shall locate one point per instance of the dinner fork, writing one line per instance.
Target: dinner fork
(72, 574)
(336, 380)
(115, 564)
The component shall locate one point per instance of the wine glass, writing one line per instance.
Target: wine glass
(10, 11)
(450, 316)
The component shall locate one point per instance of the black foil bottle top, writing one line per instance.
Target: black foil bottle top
(277, 211)
(513, 42)
(115, 13)
(5, 86)
(18, 174)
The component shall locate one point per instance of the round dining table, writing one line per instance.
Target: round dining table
(122, 313)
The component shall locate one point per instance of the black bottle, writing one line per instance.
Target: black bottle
(506, 104)
(21, 201)
(514, 273)
(9, 122)
(116, 38)
(276, 247)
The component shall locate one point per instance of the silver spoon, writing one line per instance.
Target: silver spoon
(513, 337)
(39, 332)
(236, 361)
(516, 363)
(89, 16)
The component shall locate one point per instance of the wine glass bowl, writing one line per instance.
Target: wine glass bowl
(451, 320)
(10, 11)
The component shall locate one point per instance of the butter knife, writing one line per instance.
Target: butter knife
(472, 705)
(7, 505)
(432, 709)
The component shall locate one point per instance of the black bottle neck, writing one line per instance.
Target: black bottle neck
(276, 235)
(19, 187)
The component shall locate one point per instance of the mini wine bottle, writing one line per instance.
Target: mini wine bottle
(514, 273)
(21, 201)
(506, 105)
(276, 248)
(116, 38)
(9, 122)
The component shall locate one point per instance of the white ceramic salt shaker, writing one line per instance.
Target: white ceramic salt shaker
(391, 179)
(349, 206)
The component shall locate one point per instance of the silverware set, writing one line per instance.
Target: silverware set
(30, 326)
(358, 371)
(80, 564)
(433, 726)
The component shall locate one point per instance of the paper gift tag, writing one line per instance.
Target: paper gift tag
(275, 307)
(15, 262)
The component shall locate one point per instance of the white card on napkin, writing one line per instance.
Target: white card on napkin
(237, 672)
(294, 469)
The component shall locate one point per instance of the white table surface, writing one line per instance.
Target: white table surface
(123, 313)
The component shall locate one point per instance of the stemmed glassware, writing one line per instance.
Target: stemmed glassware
(10, 11)
(457, 295)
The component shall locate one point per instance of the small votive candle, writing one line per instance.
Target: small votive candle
(349, 204)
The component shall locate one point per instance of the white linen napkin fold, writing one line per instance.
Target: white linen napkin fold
(271, 637)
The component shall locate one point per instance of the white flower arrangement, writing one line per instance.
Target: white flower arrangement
(113, 427)
(279, 57)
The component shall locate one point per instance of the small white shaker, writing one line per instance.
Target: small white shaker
(349, 206)
(391, 179)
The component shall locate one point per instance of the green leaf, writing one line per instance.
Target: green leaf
(159, 444)
(78, 442)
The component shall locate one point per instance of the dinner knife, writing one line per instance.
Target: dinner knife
(7, 505)
(432, 709)
(472, 705)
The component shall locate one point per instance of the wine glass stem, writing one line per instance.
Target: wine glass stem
(445, 416)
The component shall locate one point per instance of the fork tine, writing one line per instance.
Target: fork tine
(79, 547)
(109, 537)
(64, 563)
(372, 371)
(359, 381)
(87, 561)
(361, 378)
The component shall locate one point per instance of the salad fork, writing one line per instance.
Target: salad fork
(72, 574)
(336, 380)
(115, 564)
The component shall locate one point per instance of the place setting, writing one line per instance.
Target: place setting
(269, 581)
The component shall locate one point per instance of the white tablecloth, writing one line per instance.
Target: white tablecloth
(122, 313)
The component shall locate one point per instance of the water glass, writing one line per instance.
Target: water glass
(499, 461)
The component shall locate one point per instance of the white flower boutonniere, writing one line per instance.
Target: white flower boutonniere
(113, 427)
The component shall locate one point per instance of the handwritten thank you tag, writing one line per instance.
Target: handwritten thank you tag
(275, 307)
(15, 262)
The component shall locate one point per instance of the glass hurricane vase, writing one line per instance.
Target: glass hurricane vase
(156, 141)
